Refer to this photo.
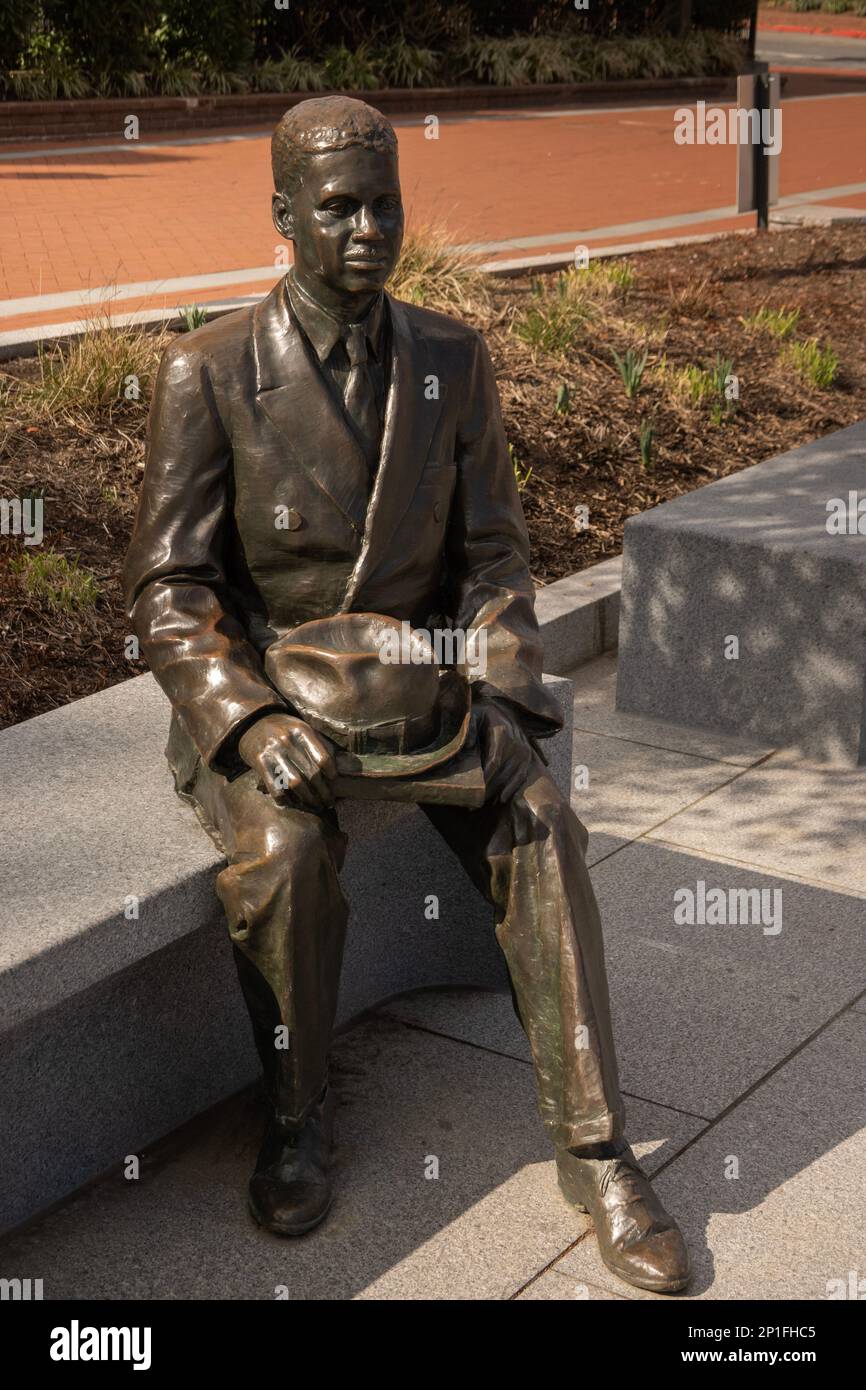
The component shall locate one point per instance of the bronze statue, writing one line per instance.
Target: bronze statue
(322, 465)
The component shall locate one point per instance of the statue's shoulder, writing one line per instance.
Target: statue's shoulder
(218, 335)
(215, 344)
(435, 327)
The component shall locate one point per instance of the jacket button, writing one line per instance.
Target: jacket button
(437, 512)
(293, 519)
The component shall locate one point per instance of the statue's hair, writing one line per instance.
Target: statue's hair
(325, 123)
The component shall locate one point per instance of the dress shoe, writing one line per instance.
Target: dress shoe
(290, 1190)
(637, 1239)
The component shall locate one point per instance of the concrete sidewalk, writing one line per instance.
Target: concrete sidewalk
(740, 1053)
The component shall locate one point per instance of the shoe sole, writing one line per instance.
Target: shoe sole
(667, 1286)
(300, 1230)
(651, 1286)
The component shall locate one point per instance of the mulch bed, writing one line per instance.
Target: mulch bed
(686, 305)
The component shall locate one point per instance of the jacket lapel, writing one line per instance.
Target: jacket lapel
(410, 419)
(295, 397)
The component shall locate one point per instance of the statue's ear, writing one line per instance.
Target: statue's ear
(281, 211)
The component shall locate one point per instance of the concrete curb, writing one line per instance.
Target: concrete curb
(24, 342)
(579, 615)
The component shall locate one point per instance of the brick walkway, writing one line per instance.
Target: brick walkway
(91, 217)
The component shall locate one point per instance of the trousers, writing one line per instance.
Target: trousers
(287, 917)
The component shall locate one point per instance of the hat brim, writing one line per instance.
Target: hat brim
(455, 706)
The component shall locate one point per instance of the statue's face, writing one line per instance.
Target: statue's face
(346, 220)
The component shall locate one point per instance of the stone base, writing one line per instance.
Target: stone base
(741, 612)
(117, 1029)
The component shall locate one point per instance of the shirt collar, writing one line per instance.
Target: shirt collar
(323, 330)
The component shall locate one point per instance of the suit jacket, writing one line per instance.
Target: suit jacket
(243, 429)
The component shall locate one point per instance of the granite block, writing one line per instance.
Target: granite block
(750, 558)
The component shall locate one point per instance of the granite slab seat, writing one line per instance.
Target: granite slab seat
(119, 1011)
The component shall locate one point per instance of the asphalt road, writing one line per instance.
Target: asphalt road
(811, 50)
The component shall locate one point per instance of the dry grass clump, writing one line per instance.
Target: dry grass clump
(432, 273)
(87, 380)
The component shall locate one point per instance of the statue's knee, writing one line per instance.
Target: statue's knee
(292, 845)
(550, 809)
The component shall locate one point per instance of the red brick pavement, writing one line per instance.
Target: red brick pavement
(86, 220)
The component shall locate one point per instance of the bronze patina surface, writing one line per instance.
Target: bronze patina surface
(334, 451)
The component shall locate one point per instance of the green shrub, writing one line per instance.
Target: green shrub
(521, 474)
(106, 36)
(288, 73)
(175, 79)
(18, 19)
(192, 316)
(351, 71)
(703, 386)
(401, 64)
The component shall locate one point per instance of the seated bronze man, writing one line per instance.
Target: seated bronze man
(336, 452)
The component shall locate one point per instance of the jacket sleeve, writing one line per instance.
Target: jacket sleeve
(493, 597)
(174, 577)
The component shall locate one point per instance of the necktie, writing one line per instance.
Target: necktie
(359, 395)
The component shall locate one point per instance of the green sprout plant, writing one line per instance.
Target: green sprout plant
(191, 316)
(646, 436)
(780, 323)
(814, 363)
(632, 366)
(521, 474)
(50, 578)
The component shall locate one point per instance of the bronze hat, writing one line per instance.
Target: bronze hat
(391, 718)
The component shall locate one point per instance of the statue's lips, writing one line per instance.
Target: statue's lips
(366, 261)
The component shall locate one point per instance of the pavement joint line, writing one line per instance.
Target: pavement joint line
(401, 122)
(449, 1037)
(524, 1061)
(750, 1090)
(632, 840)
(539, 1273)
(825, 884)
(663, 748)
(591, 1231)
(740, 773)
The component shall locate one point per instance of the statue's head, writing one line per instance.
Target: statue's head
(338, 194)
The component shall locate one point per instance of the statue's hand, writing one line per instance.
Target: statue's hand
(293, 762)
(505, 750)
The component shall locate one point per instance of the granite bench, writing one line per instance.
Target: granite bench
(119, 1010)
